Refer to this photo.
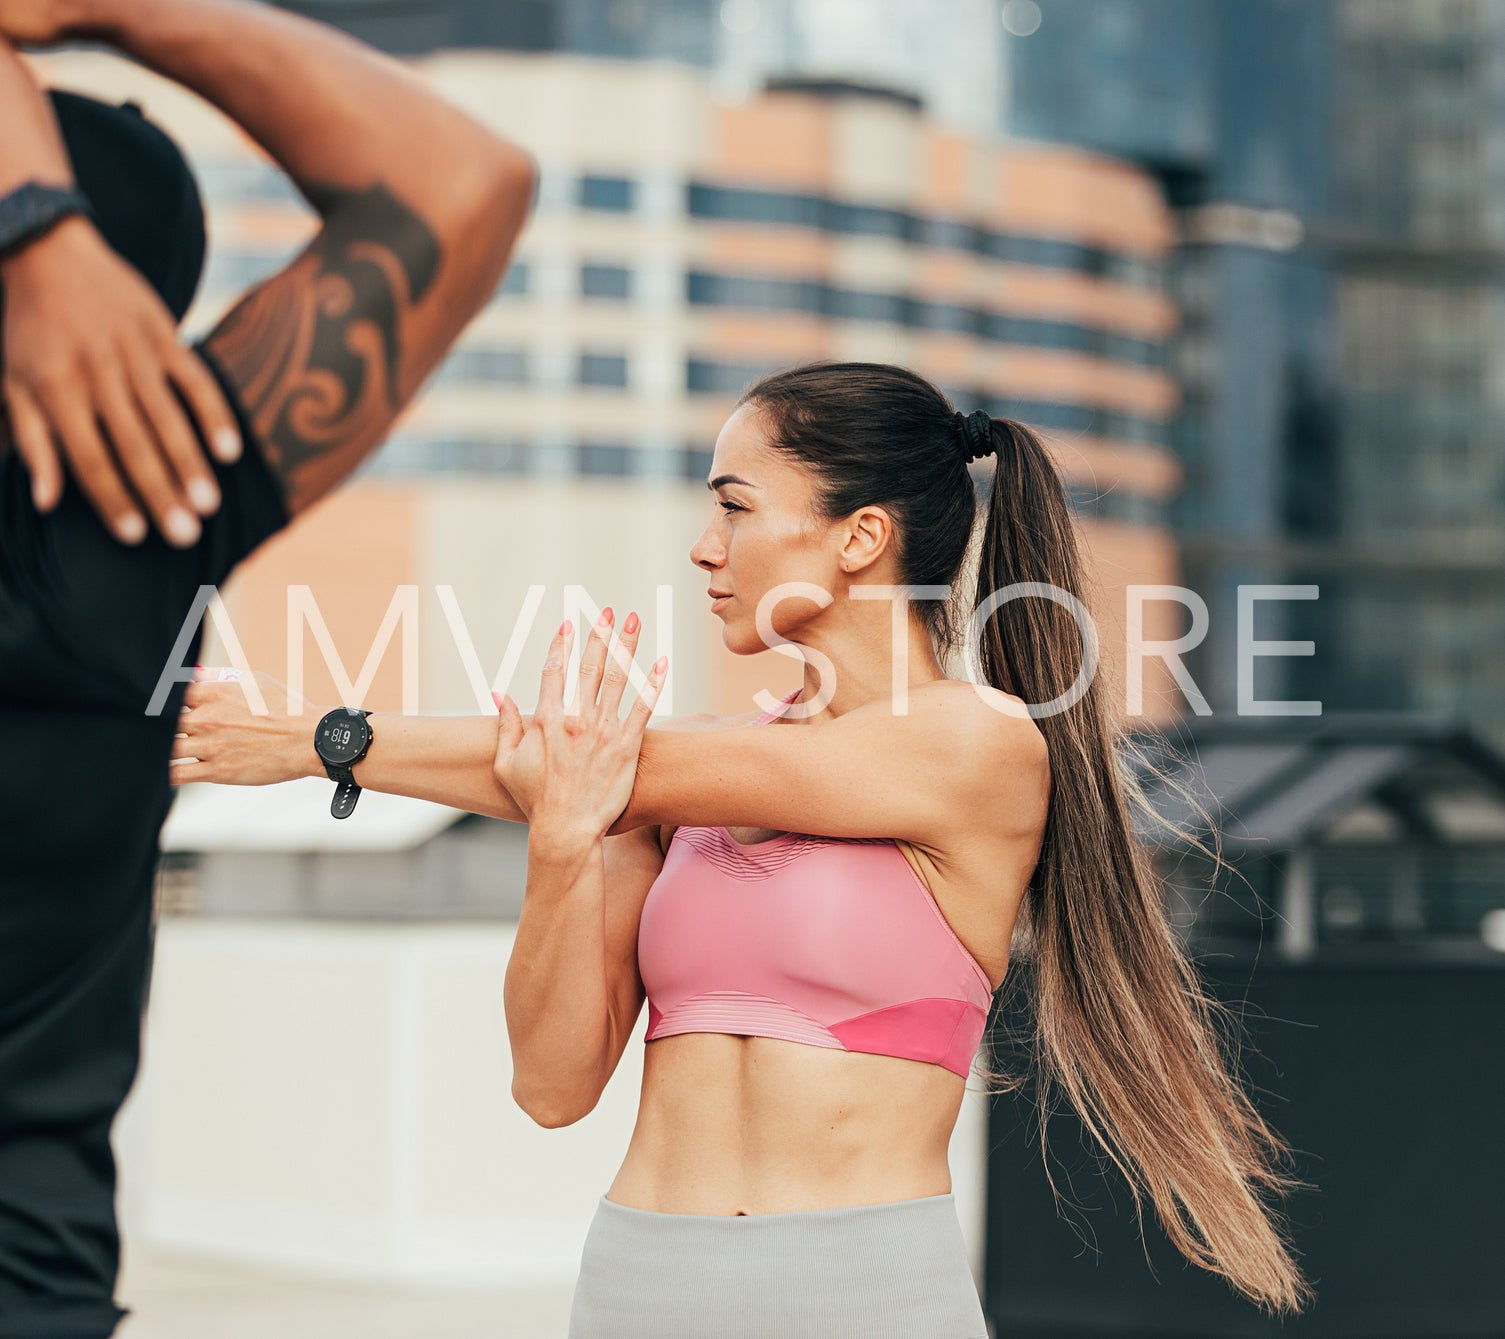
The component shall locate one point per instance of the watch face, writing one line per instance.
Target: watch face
(342, 736)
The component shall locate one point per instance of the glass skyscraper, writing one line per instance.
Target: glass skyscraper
(1339, 171)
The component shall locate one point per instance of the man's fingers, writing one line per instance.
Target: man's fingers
(205, 399)
(165, 417)
(93, 468)
(33, 442)
(142, 459)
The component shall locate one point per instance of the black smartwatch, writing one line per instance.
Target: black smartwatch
(341, 739)
(31, 209)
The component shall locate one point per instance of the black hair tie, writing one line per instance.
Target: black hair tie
(976, 431)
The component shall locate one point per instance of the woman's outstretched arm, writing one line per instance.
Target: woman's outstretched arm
(446, 759)
(955, 754)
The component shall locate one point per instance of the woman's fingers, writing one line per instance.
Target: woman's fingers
(592, 663)
(183, 747)
(198, 691)
(642, 709)
(511, 727)
(620, 667)
(551, 681)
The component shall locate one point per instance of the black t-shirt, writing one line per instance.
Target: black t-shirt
(87, 625)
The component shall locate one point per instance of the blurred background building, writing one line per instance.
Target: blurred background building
(1336, 171)
(1240, 261)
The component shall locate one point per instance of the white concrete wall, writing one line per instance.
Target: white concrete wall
(335, 1099)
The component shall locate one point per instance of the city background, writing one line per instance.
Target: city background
(1240, 260)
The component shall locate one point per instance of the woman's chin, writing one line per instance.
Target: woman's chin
(740, 642)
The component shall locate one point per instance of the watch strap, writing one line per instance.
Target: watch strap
(33, 208)
(345, 796)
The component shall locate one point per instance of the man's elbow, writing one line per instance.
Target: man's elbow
(500, 189)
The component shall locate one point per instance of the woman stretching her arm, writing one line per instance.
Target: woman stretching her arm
(818, 914)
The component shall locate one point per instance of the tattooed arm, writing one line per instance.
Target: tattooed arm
(421, 208)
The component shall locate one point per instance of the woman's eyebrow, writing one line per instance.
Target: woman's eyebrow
(720, 479)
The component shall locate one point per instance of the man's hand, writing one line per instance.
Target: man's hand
(91, 362)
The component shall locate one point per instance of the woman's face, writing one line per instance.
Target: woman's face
(763, 532)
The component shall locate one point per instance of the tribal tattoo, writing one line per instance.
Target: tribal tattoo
(318, 352)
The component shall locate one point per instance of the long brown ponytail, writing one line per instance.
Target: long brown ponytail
(1122, 1026)
(1121, 1023)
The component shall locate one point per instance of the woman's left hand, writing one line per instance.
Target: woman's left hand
(222, 738)
(572, 772)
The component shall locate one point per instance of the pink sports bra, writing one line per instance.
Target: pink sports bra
(829, 941)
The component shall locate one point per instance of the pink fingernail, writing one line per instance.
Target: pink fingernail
(632, 622)
(497, 698)
(564, 627)
(605, 618)
(661, 664)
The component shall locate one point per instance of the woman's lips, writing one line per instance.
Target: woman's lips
(717, 601)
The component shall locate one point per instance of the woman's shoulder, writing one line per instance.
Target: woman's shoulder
(980, 730)
(967, 706)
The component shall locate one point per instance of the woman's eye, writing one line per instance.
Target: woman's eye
(731, 506)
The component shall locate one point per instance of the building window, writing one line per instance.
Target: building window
(1115, 504)
(952, 234)
(945, 316)
(846, 217)
(696, 464)
(748, 206)
(406, 456)
(603, 369)
(705, 376)
(604, 459)
(485, 367)
(613, 193)
(605, 281)
(740, 290)
(849, 304)
(842, 216)
(759, 293)
(515, 283)
(1054, 416)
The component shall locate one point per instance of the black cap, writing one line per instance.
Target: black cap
(145, 200)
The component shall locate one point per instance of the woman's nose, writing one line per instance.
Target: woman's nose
(707, 550)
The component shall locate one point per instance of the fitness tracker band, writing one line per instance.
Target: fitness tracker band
(32, 209)
(341, 739)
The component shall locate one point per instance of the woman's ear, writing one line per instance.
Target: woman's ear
(866, 538)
